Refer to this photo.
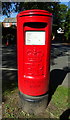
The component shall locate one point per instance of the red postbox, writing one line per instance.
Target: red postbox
(33, 47)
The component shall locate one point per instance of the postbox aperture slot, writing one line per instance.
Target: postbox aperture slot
(36, 24)
(34, 37)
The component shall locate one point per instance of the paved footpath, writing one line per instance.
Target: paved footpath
(61, 61)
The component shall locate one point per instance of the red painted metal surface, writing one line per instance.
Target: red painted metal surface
(33, 60)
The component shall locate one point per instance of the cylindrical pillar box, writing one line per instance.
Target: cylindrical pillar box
(33, 46)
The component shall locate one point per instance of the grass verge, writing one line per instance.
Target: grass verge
(60, 100)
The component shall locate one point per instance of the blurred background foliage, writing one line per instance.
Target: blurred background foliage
(61, 13)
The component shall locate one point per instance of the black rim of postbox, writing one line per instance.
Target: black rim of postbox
(35, 15)
(32, 98)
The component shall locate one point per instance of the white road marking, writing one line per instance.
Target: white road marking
(8, 69)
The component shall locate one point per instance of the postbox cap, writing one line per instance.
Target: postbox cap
(35, 12)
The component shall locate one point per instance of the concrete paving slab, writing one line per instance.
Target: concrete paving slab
(66, 82)
(63, 63)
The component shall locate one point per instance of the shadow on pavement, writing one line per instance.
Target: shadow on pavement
(9, 68)
(58, 50)
(9, 57)
(9, 80)
(56, 78)
(65, 115)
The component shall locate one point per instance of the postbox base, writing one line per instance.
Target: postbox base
(33, 105)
